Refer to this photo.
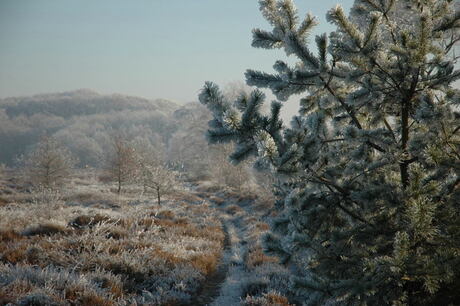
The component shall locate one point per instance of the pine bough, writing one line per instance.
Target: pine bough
(369, 185)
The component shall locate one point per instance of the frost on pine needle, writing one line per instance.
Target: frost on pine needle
(377, 131)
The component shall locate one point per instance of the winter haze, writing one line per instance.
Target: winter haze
(246, 152)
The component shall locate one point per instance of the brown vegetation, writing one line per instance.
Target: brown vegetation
(267, 299)
(90, 221)
(3, 201)
(119, 253)
(46, 229)
(257, 257)
(233, 209)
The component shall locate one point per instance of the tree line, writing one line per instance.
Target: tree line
(50, 165)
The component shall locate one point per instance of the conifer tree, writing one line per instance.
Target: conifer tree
(370, 167)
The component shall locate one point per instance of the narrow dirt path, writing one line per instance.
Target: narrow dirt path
(211, 287)
(241, 275)
(231, 288)
(224, 286)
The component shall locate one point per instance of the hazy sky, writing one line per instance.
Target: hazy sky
(149, 48)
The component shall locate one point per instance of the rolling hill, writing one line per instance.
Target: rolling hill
(83, 120)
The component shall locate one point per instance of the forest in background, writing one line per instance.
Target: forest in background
(82, 221)
(364, 209)
(87, 124)
(82, 120)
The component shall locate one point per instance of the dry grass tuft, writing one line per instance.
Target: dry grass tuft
(186, 197)
(233, 209)
(94, 300)
(262, 226)
(46, 229)
(267, 299)
(257, 257)
(14, 254)
(165, 214)
(3, 201)
(217, 200)
(117, 233)
(206, 264)
(9, 235)
(211, 188)
(90, 221)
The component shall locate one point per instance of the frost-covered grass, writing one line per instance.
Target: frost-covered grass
(86, 246)
(253, 278)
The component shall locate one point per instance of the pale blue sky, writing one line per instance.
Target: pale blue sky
(149, 48)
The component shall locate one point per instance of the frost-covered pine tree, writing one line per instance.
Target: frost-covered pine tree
(370, 167)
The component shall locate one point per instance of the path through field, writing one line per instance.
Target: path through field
(234, 280)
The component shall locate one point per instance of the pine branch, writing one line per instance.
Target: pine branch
(346, 194)
(388, 126)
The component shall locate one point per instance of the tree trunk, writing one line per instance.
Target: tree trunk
(158, 196)
(405, 109)
(47, 176)
(404, 165)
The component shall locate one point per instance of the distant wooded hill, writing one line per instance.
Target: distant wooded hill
(84, 121)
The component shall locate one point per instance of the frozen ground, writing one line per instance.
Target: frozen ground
(252, 278)
(87, 246)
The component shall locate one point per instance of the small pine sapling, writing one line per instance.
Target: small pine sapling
(369, 168)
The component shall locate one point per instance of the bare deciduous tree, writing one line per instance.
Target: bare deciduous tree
(48, 164)
(153, 172)
(160, 179)
(121, 163)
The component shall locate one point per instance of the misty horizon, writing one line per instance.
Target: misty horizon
(160, 49)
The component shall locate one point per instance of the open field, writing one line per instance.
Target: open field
(87, 246)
